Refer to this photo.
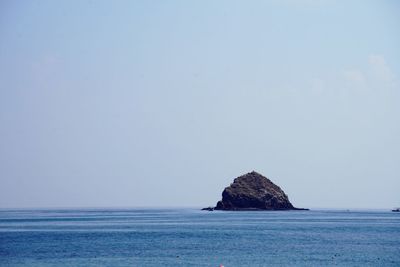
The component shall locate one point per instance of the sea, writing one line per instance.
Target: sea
(191, 237)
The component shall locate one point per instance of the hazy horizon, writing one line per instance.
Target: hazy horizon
(164, 103)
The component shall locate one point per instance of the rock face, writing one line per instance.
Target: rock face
(253, 191)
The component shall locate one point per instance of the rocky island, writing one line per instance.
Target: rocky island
(253, 191)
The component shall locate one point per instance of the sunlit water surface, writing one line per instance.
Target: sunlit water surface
(189, 237)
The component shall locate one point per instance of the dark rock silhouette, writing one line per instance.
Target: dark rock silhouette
(253, 191)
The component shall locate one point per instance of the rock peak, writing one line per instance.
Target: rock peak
(253, 191)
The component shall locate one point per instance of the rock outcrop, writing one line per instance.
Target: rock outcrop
(253, 191)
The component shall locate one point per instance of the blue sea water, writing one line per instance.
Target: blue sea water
(189, 237)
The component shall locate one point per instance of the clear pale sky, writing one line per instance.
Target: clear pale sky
(164, 103)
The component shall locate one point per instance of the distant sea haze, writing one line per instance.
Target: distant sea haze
(190, 237)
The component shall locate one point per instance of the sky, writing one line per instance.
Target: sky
(164, 103)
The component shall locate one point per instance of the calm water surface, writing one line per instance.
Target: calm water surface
(188, 237)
